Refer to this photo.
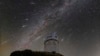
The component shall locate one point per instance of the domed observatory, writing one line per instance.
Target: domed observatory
(51, 43)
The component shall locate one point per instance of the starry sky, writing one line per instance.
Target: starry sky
(24, 24)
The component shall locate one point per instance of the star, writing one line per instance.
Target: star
(4, 42)
(26, 19)
(32, 3)
(23, 26)
(62, 39)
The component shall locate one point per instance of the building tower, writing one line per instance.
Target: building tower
(51, 43)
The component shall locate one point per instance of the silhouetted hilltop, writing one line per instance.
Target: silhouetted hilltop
(34, 53)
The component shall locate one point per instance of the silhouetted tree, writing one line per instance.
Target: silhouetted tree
(16, 53)
(33, 53)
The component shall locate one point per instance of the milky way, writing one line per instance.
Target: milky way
(25, 24)
(49, 18)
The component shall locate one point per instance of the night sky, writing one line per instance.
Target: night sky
(24, 24)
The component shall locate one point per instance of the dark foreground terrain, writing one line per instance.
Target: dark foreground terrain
(34, 53)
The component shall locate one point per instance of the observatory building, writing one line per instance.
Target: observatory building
(51, 43)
